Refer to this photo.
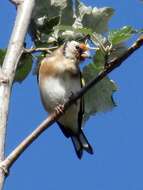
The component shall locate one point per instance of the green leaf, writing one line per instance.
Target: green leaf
(98, 61)
(71, 33)
(64, 28)
(84, 31)
(51, 8)
(100, 97)
(48, 24)
(2, 55)
(100, 58)
(140, 31)
(93, 17)
(67, 14)
(118, 36)
(37, 61)
(77, 15)
(24, 68)
(46, 15)
(117, 51)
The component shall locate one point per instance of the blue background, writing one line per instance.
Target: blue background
(117, 136)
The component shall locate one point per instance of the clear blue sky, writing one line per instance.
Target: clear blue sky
(117, 136)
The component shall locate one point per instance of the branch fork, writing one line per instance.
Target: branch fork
(4, 169)
(17, 2)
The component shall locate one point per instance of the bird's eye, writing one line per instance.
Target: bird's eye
(77, 47)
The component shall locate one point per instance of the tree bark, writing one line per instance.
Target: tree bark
(14, 51)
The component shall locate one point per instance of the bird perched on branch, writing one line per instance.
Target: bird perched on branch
(59, 77)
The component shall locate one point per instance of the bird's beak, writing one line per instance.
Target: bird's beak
(84, 47)
(84, 51)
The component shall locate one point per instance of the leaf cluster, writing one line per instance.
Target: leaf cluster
(56, 21)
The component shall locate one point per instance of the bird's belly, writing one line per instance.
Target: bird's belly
(57, 91)
(52, 93)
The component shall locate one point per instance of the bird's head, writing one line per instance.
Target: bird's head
(76, 50)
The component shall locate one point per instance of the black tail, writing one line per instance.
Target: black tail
(81, 143)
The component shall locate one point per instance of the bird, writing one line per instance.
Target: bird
(59, 77)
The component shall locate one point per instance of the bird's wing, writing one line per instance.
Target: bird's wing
(81, 110)
(37, 71)
(38, 67)
(65, 131)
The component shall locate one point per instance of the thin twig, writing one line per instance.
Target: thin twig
(14, 155)
(43, 49)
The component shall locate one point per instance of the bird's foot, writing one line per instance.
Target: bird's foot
(59, 109)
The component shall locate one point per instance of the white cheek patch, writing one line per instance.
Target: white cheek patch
(71, 49)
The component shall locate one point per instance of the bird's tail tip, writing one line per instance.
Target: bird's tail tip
(81, 143)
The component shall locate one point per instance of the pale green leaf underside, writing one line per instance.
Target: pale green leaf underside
(77, 15)
(120, 35)
(2, 55)
(24, 68)
(100, 97)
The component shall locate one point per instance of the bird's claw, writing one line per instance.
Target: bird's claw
(59, 109)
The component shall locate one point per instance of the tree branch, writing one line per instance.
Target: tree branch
(14, 51)
(14, 155)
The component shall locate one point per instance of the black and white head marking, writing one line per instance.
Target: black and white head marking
(71, 49)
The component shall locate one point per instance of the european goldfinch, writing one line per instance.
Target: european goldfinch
(59, 77)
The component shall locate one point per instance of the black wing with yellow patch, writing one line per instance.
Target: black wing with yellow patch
(65, 131)
(81, 111)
